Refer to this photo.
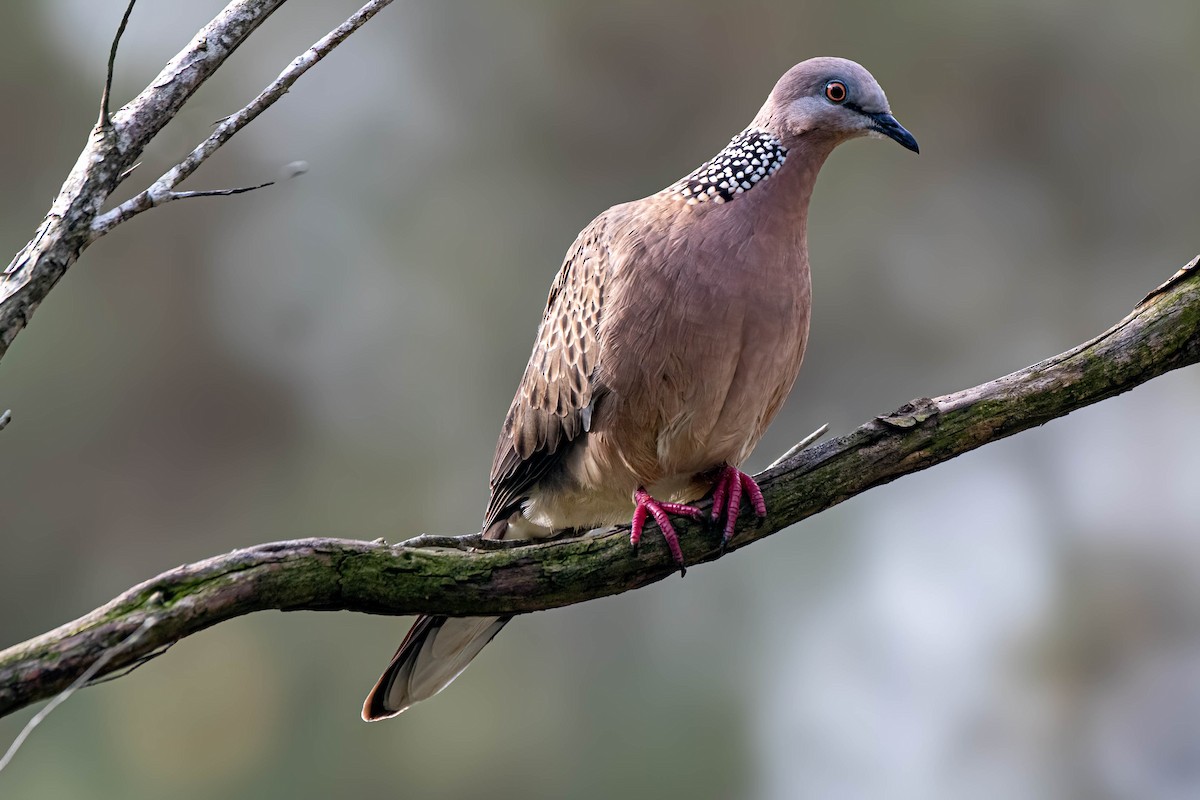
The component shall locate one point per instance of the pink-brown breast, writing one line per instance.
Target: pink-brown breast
(705, 324)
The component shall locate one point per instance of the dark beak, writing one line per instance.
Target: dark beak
(889, 127)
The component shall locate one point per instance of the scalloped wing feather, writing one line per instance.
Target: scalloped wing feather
(554, 402)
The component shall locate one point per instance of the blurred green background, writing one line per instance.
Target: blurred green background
(334, 356)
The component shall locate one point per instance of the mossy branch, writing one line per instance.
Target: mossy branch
(426, 575)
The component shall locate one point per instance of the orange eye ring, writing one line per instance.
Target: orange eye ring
(835, 92)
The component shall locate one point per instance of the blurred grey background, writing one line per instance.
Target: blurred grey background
(334, 356)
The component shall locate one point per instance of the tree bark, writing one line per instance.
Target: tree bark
(444, 575)
(117, 141)
(111, 150)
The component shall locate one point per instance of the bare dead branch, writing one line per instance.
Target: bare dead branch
(113, 149)
(161, 191)
(452, 575)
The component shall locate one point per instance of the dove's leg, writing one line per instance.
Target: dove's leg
(648, 506)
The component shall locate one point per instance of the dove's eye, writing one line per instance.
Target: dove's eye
(835, 92)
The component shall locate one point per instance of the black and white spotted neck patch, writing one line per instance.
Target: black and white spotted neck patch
(750, 157)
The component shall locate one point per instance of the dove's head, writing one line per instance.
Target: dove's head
(830, 99)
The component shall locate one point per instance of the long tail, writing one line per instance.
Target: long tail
(434, 653)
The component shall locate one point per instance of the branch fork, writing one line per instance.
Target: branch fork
(118, 140)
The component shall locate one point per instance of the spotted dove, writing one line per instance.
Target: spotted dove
(673, 332)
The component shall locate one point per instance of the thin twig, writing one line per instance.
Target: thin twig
(130, 641)
(468, 542)
(219, 192)
(105, 119)
(476, 541)
(140, 662)
(423, 540)
(128, 172)
(800, 445)
(162, 190)
(5, 418)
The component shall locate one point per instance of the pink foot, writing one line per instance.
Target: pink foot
(647, 505)
(727, 498)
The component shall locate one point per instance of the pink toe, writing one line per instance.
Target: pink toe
(668, 530)
(756, 495)
(639, 522)
(648, 506)
(735, 505)
(682, 510)
(718, 503)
